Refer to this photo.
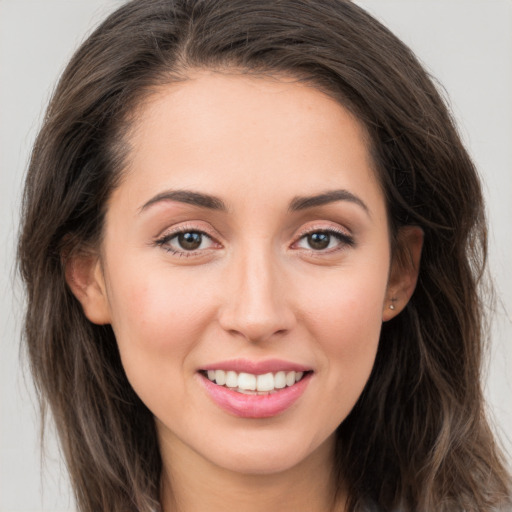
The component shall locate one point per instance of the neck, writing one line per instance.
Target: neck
(191, 483)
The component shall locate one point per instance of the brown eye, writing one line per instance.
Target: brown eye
(187, 243)
(324, 241)
(319, 240)
(190, 240)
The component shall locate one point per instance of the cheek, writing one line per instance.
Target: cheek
(349, 341)
(346, 322)
(348, 308)
(158, 322)
(157, 319)
(154, 309)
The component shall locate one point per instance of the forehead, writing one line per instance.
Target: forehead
(227, 130)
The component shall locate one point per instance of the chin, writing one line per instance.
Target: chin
(264, 455)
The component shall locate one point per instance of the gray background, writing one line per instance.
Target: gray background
(466, 44)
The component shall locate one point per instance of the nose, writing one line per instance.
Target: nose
(257, 306)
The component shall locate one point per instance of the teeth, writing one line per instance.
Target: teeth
(280, 380)
(231, 379)
(220, 377)
(265, 382)
(248, 383)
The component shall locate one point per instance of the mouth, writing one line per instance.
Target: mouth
(253, 384)
(255, 390)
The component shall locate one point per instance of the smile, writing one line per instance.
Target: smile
(251, 384)
(255, 390)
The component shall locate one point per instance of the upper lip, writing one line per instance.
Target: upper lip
(257, 367)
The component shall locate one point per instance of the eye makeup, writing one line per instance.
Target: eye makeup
(190, 241)
(187, 241)
(325, 240)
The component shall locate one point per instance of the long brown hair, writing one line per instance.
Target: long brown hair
(417, 438)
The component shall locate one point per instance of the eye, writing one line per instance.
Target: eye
(187, 241)
(324, 240)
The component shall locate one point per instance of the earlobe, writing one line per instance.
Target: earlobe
(84, 277)
(404, 271)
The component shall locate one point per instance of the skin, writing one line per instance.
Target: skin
(254, 289)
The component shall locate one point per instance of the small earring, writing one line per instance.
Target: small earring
(391, 306)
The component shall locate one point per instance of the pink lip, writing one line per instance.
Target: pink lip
(257, 367)
(254, 406)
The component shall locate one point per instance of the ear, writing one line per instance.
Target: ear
(84, 276)
(404, 271)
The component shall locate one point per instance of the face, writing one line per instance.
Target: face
(245, 268)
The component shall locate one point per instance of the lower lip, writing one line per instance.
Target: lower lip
(255, 406)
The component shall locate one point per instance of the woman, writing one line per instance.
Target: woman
(252, 275)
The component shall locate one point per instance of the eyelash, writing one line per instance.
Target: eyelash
(165, 239)
(343, 238)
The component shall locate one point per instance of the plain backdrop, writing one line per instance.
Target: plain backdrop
(465, 44)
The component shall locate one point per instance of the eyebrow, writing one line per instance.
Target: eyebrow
(214, 203)
(187, 197)
(305, 202)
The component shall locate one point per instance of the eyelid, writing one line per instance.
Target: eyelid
(325, 227)
(344, 236)
(184, 227)
(168, 234)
